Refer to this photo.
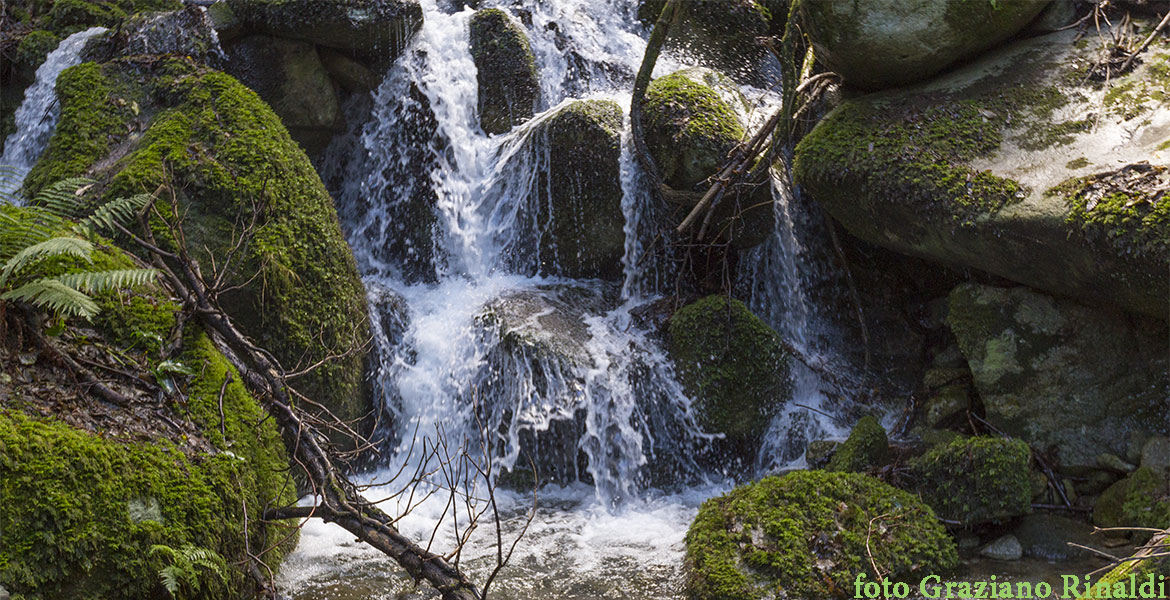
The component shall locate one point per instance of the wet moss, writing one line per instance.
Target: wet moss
(866, 448)
(1126, 208)
(228, 159)
(976, 480)
(689, 129)
(732, 364)
(1139, 95)
(1077, 163)
(805, 535)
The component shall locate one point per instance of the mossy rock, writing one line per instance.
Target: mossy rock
(727, 35)
(690, 127)
(375, 30)
(1140, 500)
(227, 157)
(509, 87)
(578, 201)
(692, 121)
(885, 43)
(980, 169)
(1029, 352)
(733, 366)
(976, 480)
(805, 535)
(866, 448)
(67, 16)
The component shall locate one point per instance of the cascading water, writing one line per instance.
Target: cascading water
(472, 334)
(38, 113)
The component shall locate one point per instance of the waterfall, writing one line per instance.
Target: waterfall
(38, 113)
(473, 335)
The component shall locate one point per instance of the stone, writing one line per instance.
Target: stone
(885, 43)
(867, 448)
(549, 320)
(1156, 455)
(976, 480)
(353, 76)
(376, 30)
(1112, 462)
(819, 452)
(1029, 352)
(727, 35)
(804, 535)
(1003, 548)
(732, 365)
(578, 204)
(509, 87)
(692, 121)
(289, 76)
(947, 405)
(995, 167)
(1139, 500)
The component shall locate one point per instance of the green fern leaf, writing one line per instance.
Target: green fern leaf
(92, 282)
(111, 214)
(55, 296)
(64, 198)
(58, 246)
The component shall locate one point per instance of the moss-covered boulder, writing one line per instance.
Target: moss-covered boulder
(577, 203)
(885, 43)
(376, 30)
(1140, 500)
(992, 167)
(976, 480)
(212, 142)
(692, 121)
(290, 76)
(728, 35)
(187, 32)
(509, 87)
(805, 535)
(97, 499)
(866, 448)
(733, 366)
(1074, 380)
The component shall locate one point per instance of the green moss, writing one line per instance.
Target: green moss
(229, 158)
(79, 511)
(1138, 95)
(805, 535)
(976, 480)
(866, 448)
(689, 129)
(1077, 163)
(909, 155)
(732, 364)
(509, 88)
(33, 49)
(1147, 500)
(1124, 207)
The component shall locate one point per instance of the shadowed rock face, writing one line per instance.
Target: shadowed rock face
(996, 166)
(884, 43)
(509, 88)
(1068, 379)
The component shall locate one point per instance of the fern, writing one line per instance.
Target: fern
(188, 565)
(56, 225)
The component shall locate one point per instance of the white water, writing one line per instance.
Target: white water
(611, 422)
(38, 113)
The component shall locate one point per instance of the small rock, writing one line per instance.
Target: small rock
(3, 593)
(28, 358)
(1156, 454)
(1004, 548)
(820, 452)
(1113, 462)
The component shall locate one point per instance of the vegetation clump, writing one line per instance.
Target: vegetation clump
(732, 364)
(866, 448)
(1125, 208)
(809, 534)
(976, 480)
(689, 129)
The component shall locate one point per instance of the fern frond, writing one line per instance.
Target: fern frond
(170, 580)
(92, 282)
(58, 246)
(63, 198)
(55, 296)
(10, 185)
(18, 230)
(111, 214)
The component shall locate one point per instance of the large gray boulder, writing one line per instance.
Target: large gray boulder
(998, 167)
(509, 88)
(1068, 379)
(883, 43)
(373, 29)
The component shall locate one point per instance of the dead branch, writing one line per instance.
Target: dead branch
(1145, 44)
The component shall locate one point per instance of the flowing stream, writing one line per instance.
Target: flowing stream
(37, 115)
(479, 347)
